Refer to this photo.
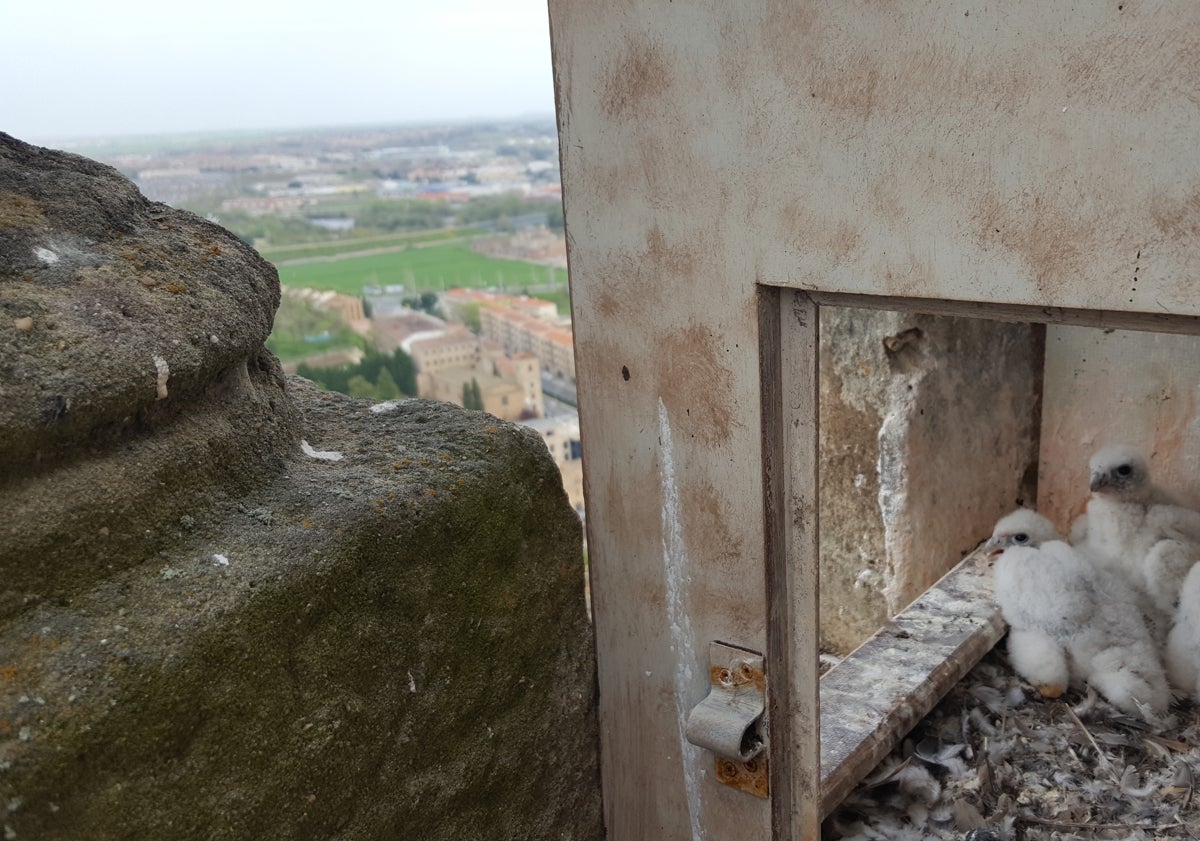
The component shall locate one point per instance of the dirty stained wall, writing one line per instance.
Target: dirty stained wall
(1033, 154)
(929, 428)
(1028, 154)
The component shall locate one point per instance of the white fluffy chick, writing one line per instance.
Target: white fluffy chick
(1134, 527)
(1069, 621)
(1183, 643)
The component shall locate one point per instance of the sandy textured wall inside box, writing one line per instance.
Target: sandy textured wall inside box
(1118, 387)
(929, 428)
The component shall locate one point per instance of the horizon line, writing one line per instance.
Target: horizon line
(214, 133)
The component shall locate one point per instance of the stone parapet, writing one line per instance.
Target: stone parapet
(246, 608)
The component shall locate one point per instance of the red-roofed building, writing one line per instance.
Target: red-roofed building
(551, 342)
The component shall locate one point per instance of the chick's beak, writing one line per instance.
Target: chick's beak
(1099, 482)
(994, 547)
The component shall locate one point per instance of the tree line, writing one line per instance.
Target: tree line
(389, 216)
(472, 396)
(378, 376)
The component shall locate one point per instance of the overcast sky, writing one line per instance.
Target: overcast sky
(84, 68)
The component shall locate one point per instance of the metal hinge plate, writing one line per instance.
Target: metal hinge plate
(729, 721)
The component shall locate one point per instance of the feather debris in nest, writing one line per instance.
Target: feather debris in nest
(995, 761)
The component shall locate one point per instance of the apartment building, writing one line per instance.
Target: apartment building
(457, 347)
(519, 332)
(562, 439)
(457, 302)
(510, 386)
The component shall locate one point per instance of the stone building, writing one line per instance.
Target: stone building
(455, 348)
(510, 386)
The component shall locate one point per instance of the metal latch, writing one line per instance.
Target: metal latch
(728, 721)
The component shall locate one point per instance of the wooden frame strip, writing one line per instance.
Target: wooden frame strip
(788, 359)
(1164, 322)
(826, 735)
(888, 684)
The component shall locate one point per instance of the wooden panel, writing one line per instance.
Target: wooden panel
(789, 353)
(669, 413)
(1028, 154)
(1156, 322)
(1024, 153)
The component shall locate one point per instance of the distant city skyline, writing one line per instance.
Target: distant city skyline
(77, 70)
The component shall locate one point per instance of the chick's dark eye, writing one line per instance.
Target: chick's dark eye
(1124, 470)
(1021, 538)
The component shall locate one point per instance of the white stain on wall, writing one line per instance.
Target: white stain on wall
(683, 641)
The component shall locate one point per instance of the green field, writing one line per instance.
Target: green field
(284, 253)
(429, 269)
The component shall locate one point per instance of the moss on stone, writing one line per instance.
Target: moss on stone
(285, 707)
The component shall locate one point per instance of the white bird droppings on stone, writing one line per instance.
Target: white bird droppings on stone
(45, 255)
(385, 407)
(220, 560)
(412, 683)
(324, 455)
(164, 371)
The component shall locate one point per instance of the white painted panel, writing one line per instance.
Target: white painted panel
(1023, 153)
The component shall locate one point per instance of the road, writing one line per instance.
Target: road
(559, 388)
(553, 408)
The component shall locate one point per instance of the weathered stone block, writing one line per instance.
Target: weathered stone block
(110, 304)
(133, 377)
(389, 643)
(211, 630)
